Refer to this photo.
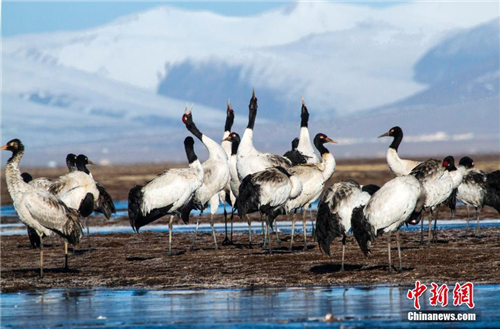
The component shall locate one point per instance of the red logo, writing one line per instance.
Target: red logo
(416, 293)
(439, 295)
(464, 294)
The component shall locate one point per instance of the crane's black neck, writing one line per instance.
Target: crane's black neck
(81, 166)
(189, 147)
(235, 144)
(396, 141)
(304, 116)
(229, 121)
(194, 130)
(252, 107)
(319, 143)
(71, 162)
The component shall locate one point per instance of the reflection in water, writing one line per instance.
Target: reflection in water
(355, 306)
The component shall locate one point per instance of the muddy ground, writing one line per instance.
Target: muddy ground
(141, 261)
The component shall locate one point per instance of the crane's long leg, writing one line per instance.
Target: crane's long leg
(249, 221)
(66, 255)
(41, 257)
(232, 217)
(213, 230)
(170, 227)
(264, 232)
(389, 250)
(304, 227)
(343, 252)
(293, 230)
(195, 231)
(478, 229)
(422, 231)
(399, 251)
(277, 233)
(312, 223)
(226, 239)
(88, 233)
(430, 228)
(467, 227)
(434, 235)
(269, 240)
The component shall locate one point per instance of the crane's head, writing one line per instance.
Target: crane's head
(393, 132)
(295, 143)
(14, 146)
(304, 115)
(187, 118)
(466, 162)
(230, 111)
(253, 102)
(232, 137)
(82, 159)
(449, 163)
(71, 160)
(322, 139)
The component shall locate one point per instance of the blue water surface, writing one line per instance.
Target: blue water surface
(358, 306)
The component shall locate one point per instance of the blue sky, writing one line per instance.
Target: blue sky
(38, 16)
(34, 17)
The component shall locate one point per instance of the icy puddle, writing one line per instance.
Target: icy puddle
(354, 306)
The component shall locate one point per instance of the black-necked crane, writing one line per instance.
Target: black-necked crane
(37, 208)
(226, 195)
(166, 194)
(104, 203)
(387, 210)
(216, 177)
(400, 167)
(305, 147)
(267, 191)
(478, 189)
(250, 160)
(439, 179)
(313, 178)
(335, 211)
(294, 155)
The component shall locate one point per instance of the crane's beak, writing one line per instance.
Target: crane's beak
(227, 139)
(92, 163)
(385, 135)
(3, 147)
(329, 140)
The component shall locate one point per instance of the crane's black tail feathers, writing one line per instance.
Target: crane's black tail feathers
(492, 198)
(327, 227)
(87, 205)
(248, 199)
(186, 211)
(106, 205)
(451, 202)
(296, 157)
(34, 238)
(362, 229)
(134, 206)
(370, 188)
(72, 230)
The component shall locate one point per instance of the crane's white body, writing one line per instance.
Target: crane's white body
(250, 161)
(37, 208)
(393, 203)
(342, 198)
(216, 175)
(226, 146)
(472, 191)
(313, 178)
(400, 167)
(174, 187)
(306, 147)
(73, 187)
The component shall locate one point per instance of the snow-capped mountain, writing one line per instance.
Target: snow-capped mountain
(119, 90)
